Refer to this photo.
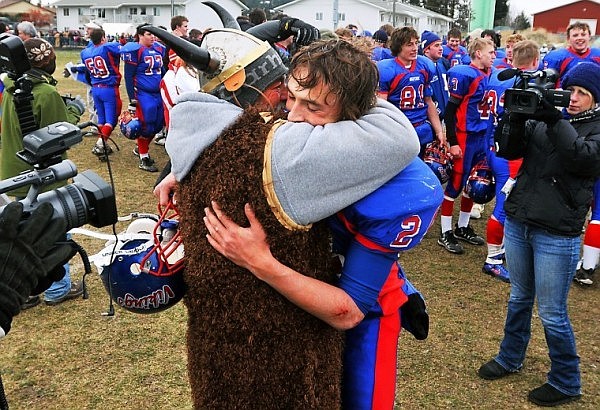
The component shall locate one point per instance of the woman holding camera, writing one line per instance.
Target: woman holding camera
(545, 212)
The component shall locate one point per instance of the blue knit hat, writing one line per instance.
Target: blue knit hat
(380, 36)
(585, 75)
(428, 38)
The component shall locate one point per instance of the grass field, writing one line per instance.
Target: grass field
(71, 356)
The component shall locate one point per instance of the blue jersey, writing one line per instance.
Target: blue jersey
(407, 88)
(439, 87)
(143, 67)
(102, 62)
(381, 53)
(468, 85)
(501, 63)
(456, 57)
(369, 234)
(562, 60)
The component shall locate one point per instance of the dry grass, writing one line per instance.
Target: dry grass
(72, 357)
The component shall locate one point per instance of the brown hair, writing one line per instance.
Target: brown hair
(455, 33)
(345, 68)
(400, 37)
(515, 38)
(177, 21)
(97, 35)
(578, 25)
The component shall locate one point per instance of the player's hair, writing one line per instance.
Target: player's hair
(388, 28)
(400, 37)
(515, 38)
(578, 25)
(525, 53)
(346, 69)
(257, 16)
(454, 32)
(177, 21)
(344, 32)
(140, 30)
(97, 35)
(478, 43)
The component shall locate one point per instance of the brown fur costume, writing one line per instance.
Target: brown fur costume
(249, 347)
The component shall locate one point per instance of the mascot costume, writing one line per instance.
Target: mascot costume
(249, 347)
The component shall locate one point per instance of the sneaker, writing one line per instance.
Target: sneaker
(75, 292)
(92, 131)
(160, 139)
(147, 164)
(448, 241)
(136, 151)
(548, 396)
(31, 302)
(99, 150)
(468, 235)
(584, 276)
(492, 370)
(494, 267)
(477, 210)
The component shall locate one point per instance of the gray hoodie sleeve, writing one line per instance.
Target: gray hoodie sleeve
(197, 120)
(317, 171)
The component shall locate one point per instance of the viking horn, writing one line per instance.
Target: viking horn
(226, 18)
(188, 52)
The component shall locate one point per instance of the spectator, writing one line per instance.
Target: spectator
(431, 47)
(381, 50)
(26, 30)
(257, 16)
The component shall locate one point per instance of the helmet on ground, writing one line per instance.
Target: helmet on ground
(129, 125)
(436, 157)
(143, 271)
(481, 185)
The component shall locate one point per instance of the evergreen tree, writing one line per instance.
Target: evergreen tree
(501, 13)
(521, 22)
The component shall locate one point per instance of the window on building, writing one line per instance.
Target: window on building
(66, 12)
(156, 11)
(80, 12)
(341, 16)
(133, 11)
(143, 11)
(319, 16)
(101, 13)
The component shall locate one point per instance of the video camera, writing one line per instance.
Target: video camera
(531, 88)
(89, 199)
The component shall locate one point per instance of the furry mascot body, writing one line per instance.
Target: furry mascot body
(249, 347)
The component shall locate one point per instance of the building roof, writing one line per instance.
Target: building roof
(110, 4)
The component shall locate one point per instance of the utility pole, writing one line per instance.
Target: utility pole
(336, 14)
(394, 13)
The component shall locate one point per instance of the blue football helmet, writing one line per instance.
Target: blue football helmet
(143, 273)
(481, 185)
(130, 126)
(436, 157)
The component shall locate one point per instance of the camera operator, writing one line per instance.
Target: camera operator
(30, 257)
(545, 212)
(48, 107)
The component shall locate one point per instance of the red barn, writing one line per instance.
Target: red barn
(556, 20)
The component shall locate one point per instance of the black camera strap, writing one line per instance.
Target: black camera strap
(23, 98)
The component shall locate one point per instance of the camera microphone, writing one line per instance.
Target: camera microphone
(508, 73)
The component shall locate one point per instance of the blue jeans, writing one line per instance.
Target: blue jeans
(59, 288)
(541, 266)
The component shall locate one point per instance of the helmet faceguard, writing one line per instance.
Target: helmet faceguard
(436, 157)
(481, 185)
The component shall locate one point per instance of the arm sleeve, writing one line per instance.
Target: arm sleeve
(267, 31)
(318, 170)
(129, 77)
(450, 121)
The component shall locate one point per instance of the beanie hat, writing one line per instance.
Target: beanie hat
(41, 54)
(585, 75)
(380, 36)
(428, 38)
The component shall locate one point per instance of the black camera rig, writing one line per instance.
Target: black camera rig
(531, 87)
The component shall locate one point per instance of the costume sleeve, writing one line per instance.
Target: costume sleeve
(318, 170)
(580, 155)
(267, 31)
(450, 121)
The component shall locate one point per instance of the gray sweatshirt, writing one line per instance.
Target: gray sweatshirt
(316, 170)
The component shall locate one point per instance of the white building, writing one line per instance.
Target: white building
(366, 14)
(74, 14)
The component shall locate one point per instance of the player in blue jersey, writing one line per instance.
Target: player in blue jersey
(405, 81)
(578, 50)
(143, 70)
(467, 117)
(591, 244)
(381, 50)
(431, 47)
(525, 55)
(453, 51)
(102, 60)
(506, 61)
(368, 234)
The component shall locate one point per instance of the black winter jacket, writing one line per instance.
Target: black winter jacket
(553, 188)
